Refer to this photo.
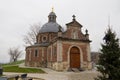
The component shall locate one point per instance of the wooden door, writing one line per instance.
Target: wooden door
(74, 58)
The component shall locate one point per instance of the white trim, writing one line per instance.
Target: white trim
(81, 55)
(88, 51)
(47, 53)
(30, 55)
(89, 65)
(51, 53)
(59, 51)
(42, 52)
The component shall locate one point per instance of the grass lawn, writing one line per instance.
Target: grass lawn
(21, 70)
(13, 63)
(13, 67)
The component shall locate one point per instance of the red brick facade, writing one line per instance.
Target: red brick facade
(53, 49)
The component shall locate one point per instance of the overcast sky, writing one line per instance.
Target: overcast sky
(16, 16)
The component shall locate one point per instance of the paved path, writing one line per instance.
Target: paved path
(54, 75)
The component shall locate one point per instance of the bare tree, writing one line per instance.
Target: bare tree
(14, 54)
(30, 37)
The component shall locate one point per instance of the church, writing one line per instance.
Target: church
(60, 49)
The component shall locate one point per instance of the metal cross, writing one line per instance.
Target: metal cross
(73, 17)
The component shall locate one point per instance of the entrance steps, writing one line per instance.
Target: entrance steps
(75, 70)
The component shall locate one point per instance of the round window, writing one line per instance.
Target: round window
(44, 38)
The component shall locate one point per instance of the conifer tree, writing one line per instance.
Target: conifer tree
(109, 59)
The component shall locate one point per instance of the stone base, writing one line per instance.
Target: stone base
(87, 66)
(59, 66)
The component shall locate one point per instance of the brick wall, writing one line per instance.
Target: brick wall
(32, 59)
(49, 37)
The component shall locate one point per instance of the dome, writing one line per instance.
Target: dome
(52, 14)
(50, 27)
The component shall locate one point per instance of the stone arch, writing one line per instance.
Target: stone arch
(80, 56)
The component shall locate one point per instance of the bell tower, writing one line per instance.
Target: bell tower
(52, 16)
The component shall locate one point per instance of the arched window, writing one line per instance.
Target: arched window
(36, 52)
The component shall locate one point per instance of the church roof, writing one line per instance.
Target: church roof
(74, 22)
(52, 13)
(51, 25)
(39, 45)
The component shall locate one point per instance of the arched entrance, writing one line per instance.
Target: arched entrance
(74, 57)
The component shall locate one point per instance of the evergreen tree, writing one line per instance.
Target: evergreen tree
(109, 59)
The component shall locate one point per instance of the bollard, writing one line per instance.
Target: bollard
(16, 77)
(30, 79)
(24, 76)
(1, 71)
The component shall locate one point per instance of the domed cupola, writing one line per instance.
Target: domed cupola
(51, 25)
(52, 17)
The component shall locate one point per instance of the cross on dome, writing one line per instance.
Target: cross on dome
(73, 17)
(52, 9)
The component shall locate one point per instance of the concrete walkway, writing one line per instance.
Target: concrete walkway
(54, 75)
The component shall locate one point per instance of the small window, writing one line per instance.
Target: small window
(44, 38)
(36, 53)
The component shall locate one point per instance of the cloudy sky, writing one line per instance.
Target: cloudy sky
(16, 16)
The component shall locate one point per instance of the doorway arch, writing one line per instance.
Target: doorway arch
(75, 57)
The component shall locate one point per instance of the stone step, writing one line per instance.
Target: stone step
(75, 70)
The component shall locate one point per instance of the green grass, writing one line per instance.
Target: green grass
(14, 63)
(21, 70)
(13, 67)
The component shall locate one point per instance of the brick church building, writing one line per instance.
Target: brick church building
(60, 49)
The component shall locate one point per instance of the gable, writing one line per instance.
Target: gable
(74, 23)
